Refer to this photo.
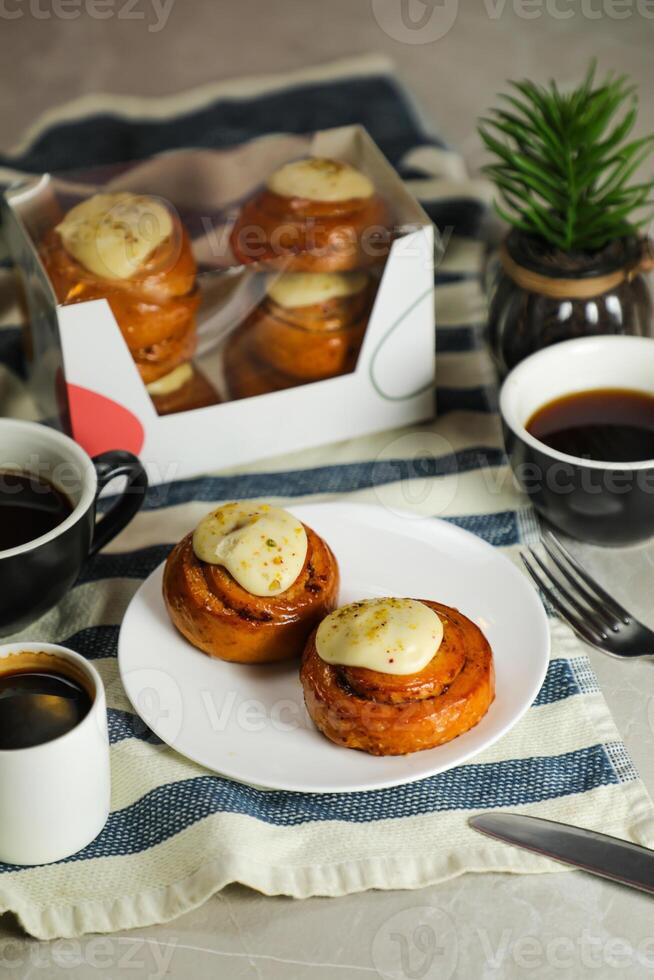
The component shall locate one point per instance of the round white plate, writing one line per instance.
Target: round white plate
(249, 723)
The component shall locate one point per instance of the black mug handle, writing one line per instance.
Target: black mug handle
(109, 465)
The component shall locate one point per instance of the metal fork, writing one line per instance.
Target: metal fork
(588, 608)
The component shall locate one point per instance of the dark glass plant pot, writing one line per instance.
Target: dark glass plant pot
(525, 318)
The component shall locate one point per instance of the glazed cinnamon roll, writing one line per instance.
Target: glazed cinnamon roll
(250, 583)
(307, 328)
(133, 251)
(246, 375)
(314, 215)
(393, 676)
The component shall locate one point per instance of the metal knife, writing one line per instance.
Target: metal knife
(608, 857)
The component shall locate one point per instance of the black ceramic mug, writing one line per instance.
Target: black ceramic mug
(34, 576)
(599, 501)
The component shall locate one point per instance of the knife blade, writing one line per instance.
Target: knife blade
(609, 857)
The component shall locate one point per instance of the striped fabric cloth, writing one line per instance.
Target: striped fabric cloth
(177, 833)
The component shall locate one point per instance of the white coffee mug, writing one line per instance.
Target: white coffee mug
(54, 796)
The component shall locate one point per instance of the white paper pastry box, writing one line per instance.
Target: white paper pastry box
(86, 380)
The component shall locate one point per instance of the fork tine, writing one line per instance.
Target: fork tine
(577, 625)
(615, 607)
(591, 601)
(569, 598)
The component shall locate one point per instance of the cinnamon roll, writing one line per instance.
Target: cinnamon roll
(246, 375)
(314, 215)
(133, 251)
(250, 583)
(307, 328)
(393, 676)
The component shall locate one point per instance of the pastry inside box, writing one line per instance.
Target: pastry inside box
(270, 291)
(195, 296)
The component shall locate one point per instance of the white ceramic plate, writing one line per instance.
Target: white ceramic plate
(249, 723)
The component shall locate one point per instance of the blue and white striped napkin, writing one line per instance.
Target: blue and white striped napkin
(177, 833)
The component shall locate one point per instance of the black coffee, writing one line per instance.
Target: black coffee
(37, 706)
(29, 507)
(614, 424)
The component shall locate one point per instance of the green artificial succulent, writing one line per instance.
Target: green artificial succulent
(564, 168)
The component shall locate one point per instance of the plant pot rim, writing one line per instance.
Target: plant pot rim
(605, 265)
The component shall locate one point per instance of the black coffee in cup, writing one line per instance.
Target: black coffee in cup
(49, 489)
(30, 506)
(37, 705)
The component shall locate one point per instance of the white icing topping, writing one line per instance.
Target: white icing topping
(393, 636)
(320, 179)
(112, 235)
(171, 382)
(264, 548)
(306, 289)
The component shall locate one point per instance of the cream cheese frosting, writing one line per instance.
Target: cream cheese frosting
(264, 548)
(392, 636)
(112, 235)
(171, 382)
(295, 289)
(320, 179)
